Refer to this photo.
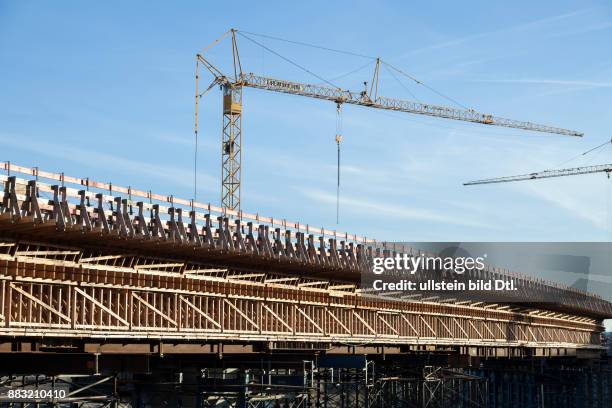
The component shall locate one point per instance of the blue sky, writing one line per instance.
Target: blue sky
(105, 90)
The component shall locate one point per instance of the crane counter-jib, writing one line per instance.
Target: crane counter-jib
(361, 98)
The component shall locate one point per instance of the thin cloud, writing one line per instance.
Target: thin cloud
(404, 212)
(520, 27)
(568, 200)
(461, 68)
(95, 159)
(584, 30)
(563, 82)
(555, 86)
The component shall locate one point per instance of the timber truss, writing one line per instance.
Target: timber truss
(102, 214)
(95, 264)
(48, 290)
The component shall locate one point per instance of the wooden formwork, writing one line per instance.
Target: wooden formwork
(105, 215)
(68, 292)
(92, 264)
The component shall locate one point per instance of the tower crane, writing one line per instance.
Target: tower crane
(232, 86)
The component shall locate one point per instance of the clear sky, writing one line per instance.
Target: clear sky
(105, 90)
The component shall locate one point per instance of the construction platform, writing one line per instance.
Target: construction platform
(97, 279)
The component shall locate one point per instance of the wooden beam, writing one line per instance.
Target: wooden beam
(309, 319)
(200, 312)
(40, 302)
(153, 308)
(331, 314)
(241, 313)
(101, 306)
(277, 317)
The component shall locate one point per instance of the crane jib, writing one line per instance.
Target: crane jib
(363, 99)
(575, 171)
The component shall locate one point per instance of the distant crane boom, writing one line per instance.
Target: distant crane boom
(601, 168)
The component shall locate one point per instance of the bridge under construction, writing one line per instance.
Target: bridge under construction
(108, 291)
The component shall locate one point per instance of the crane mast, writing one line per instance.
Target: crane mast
(231, 147)
(575, 171)
(232, 87)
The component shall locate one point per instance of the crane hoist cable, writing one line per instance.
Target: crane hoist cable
(609, 142)
(287, 59)
(195, 129)
(597, 147)
(198, 95)
(344, 75)
(305, 44)
(411, 77)
(609, 221)
(338, 141)
(401, 83)
(426, 86)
